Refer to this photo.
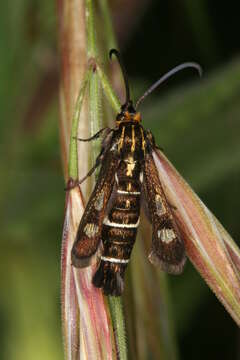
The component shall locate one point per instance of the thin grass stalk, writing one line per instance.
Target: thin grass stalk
(118, 320)
(85, 348)
(107, 89)
(73, 63)
(109, 35)
(73, 158)
(116, 308)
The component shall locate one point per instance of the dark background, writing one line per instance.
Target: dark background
(195, 121)
(171, 32)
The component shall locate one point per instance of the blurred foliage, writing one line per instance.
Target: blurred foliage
(197, 124)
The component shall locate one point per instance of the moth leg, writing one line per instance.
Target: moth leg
(71, 184)
(105, 147)
(95, 136)
(91, 171)
(75, 183)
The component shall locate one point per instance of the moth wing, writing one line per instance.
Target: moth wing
(206, 241)
(167, 249)
(90, 228)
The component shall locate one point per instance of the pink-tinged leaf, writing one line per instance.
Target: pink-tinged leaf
(86, 324)
(70, 313)
(208, 245)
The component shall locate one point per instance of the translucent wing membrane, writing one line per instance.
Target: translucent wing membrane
(208, 245)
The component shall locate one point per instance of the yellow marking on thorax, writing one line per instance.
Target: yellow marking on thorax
(130, 166)
(127, 116)
(137, 117)
(143, 141)
(120, 143)
(133, 140)
(129, 187)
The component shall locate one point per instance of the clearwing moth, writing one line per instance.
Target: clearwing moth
(128, 175)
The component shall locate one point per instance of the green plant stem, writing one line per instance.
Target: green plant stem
(108, 28)
(115, 304)
(73, 155)
(96, 75)
(116, 309)
(91, 39)
(94, 112)
(95, 121)
(108, 91)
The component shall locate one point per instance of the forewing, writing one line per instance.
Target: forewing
(167, 249)
(90, 228)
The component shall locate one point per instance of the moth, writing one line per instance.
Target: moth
(128, 176)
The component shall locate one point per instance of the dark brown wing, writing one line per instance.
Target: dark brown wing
(167, 246)
(90, 228)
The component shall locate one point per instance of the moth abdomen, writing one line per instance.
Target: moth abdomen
(119, 229)
(123, 217)
(128, 202)
(110, 277)
(118, 234)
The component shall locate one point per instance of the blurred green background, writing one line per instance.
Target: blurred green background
(195, 121)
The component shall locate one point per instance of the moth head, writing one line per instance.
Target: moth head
(128, 114)
(128, 111)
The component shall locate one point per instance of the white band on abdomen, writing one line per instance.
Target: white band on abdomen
(129, 192)
(113, 224)
(114, 260)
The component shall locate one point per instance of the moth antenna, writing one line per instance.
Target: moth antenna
(168, 75)
(118, 56)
